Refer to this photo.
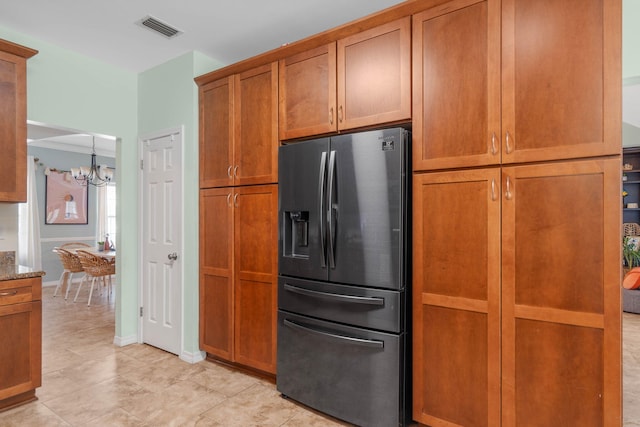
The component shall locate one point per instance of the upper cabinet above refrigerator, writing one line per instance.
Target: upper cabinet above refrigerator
(358, 81)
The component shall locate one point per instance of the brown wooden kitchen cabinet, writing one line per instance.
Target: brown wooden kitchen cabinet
(20, 340)
(358, 81)
(561, 312)
(238, 274)
(216, 272)
(456, 297)
(239, 129)
(536, 287)
(216, 133)
(481, 99)
(13, 121)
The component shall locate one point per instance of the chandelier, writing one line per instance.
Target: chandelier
(96, 175)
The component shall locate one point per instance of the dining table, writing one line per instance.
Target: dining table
(104, 254)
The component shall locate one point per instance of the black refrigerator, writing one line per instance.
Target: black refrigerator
(343, 279)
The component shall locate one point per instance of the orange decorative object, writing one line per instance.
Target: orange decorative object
(632, 279)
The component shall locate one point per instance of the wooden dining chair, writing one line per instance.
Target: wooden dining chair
(70, 264)
(95, 268)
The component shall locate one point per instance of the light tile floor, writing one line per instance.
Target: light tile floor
(88, 381)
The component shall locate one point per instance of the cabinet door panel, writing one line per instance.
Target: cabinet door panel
(216, 272)
(216, 133)
(13, 128)
(456, 85)
(374, 76)
(561, 87)
(256, 126)
(256, 269)
(308, 93)
(20, 348)
(456, 298)
(561, 293)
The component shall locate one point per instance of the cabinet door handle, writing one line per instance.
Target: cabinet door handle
(235, 171)
(229, 171)
(494, 144)
(229, 199)
(235, 200)
(508, 194)
(340, 115)
(494, 195)
(331, 115)
(8, 294)
(508, 139)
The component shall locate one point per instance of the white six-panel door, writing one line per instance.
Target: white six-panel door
(162, 240)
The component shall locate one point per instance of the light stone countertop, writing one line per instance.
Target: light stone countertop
(9, 270)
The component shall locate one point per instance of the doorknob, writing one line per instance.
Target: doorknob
(173, 256)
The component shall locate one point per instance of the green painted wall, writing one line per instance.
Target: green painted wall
(168, 98)
(74, 91)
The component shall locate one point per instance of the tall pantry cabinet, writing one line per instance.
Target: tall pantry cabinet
(238, 217)
(516, 130)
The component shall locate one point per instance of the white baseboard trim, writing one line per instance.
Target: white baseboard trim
(51, 283)
(122, 341)
(192, 358)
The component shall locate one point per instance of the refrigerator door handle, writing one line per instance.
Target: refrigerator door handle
(330, 217)
(350, 340)
(339, 297)
(321, 200)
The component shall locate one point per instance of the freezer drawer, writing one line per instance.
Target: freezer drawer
(354, 305)
(350, 373)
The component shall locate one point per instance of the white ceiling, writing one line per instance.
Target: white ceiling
(226, 31)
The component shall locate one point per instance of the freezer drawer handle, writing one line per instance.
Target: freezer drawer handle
(351, 340)
(339, 297)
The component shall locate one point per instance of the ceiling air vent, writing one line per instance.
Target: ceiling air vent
(156, 25)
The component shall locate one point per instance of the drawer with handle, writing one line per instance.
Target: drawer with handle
(18, 291)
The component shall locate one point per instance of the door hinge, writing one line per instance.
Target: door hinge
(141, 311)
(142, 164)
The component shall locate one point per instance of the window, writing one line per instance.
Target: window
(107, 213)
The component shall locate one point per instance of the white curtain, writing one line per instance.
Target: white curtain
(101, 197)
(29, 249)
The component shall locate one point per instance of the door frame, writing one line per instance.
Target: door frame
(141, 219)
